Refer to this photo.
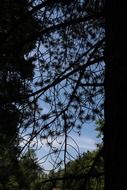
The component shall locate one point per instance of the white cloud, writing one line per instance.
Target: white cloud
(85, 143)
(76, 144)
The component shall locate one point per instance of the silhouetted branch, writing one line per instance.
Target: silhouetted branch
(76, 177)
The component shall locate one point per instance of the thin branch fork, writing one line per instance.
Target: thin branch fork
(59, 79)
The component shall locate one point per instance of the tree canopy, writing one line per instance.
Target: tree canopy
(69, 71)
(51, 77)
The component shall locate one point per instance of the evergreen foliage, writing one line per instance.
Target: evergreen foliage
(51, 53)
(16, 71)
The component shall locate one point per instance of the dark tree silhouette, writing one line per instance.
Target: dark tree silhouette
(115, 96)
(16, 71)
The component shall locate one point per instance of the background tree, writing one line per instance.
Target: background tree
(85, 172)
(31, 173)
(80, 167)
(79, 174)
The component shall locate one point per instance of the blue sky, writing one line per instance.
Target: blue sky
(86, 142)
(77, 144)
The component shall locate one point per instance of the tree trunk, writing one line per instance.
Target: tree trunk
(115, 135)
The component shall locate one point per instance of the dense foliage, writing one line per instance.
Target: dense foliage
(16, 71)
(86, 172)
